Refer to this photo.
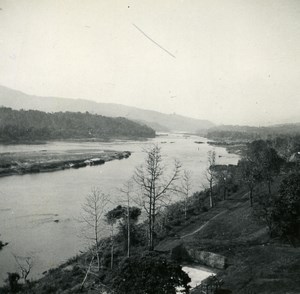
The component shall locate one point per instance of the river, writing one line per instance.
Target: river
(39, 212)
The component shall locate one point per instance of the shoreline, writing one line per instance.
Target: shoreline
(231, 147)
(45, 141)
(21, 163)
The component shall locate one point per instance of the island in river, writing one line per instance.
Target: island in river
(18, 163)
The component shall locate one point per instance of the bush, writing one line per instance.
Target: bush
(149, 273)
(176, 222)
(13, 282)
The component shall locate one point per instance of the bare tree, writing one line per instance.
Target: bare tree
(154, 186)
(25, 265)
(185, 189)
(126, 190)
(93, 211)
(210, 174)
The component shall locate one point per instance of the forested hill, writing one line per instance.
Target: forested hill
(229, 132)
(21, 125)
(158, 121)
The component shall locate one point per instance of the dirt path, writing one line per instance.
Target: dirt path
(204, 225)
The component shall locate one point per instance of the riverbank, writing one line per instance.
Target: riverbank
(230, 238)
(227, 238)
(20, 163)
(232, 147)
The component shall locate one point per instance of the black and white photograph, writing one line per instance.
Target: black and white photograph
(150, 146)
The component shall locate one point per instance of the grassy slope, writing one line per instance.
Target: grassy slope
(256, 263)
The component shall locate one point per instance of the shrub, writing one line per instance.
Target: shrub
(149, 273)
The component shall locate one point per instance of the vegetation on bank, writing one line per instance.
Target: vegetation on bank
(29, 125)
(231, 132)
(249, 213)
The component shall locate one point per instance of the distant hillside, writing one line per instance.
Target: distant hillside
(37, 125)
(158, 121)
(229, 132)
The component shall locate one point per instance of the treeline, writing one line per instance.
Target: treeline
(273, 185)
(229, 132)
(285, 139)
(37, 125)
(128, 260)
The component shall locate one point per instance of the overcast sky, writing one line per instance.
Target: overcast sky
(229, 61)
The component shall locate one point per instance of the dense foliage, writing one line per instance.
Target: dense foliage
(253, 133)
(37, 125)
(286, 212)
(285, 139)
(149, 274)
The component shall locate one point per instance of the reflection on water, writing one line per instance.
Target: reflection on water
(38, 212)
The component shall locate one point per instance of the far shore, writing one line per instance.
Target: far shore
(234, 147)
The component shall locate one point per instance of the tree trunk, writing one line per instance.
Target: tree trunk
(152, 229)
(211, 203)
(150, 222)
(112, 256)
(128, 229)
(87, 272)
(112, 248)
(251, 196)
(225, 193)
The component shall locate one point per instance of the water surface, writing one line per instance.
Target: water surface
(31, 205)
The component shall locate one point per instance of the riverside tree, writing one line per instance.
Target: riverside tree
(264, 159)
(25, 265)
(224, 176)
(126, 218)
(249, 174)
(286, 213)
(210, 174)
(154, 186)
(185, 189)
(93, 211)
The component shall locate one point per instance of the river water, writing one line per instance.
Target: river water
(39, 212)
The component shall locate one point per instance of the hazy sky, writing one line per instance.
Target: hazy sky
(230, 61)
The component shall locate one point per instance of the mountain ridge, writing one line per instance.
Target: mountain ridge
(160, 121)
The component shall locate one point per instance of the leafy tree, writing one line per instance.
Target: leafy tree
(286, 213)
(259, 163)
(249, 174)
(264, 159)
(127, 217)
(224, 175)
(13, 282)
(281, 213)
(150, 274)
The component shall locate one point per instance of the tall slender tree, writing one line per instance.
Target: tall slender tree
(154, 186)
(93, 211)
(185, 189)
(210, 174)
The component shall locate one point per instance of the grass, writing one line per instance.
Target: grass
(256, 263)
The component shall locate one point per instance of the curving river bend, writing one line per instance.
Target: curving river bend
(39, 212)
